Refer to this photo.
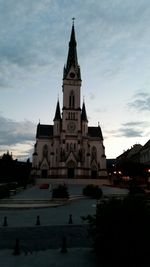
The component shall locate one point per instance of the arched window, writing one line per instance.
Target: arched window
(94, 152)
(71, 146)
(45, 151)
(71, 99)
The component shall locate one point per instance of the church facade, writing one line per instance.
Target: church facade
(69, 148)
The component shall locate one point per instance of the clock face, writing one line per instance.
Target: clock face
(71, 127)
(72, 75)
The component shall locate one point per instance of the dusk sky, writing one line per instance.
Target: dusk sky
(113, 46)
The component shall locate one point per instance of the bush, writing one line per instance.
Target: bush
(60, 192)
(4, 191)
(135, 188)
(120, 231)
(92, 191)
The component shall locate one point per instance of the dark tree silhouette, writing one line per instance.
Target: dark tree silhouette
(120, 231)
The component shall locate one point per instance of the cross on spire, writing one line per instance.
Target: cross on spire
(73, 19)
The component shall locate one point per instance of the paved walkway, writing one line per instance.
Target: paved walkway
(35, 240)
(52, 215)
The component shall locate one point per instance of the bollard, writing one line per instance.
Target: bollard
(38, 220)
(16, 251)
(70, 219)
(5, 221)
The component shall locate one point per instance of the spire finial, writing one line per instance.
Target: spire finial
(73, 19)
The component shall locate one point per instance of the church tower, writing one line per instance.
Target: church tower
(70, 148)
(71, 119)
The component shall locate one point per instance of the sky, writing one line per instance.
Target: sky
(113, 46)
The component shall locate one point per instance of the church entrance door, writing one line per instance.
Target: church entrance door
(44, 174)
(94, 174)
(71, 169)
(71, 172)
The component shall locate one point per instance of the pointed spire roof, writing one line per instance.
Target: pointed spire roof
(83, 113)
(57, 113)
(72, 59)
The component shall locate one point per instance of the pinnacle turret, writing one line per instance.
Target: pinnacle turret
(57, 113)
(83, 113)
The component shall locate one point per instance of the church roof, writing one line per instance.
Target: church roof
(72, 59)
(57, 113)
(44, 131)
(95, 132)
(83, 113)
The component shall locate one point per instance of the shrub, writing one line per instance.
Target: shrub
(60, 192)
(120, 231)
(4, 191)
(92, 191)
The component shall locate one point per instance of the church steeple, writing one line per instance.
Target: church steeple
(72, 59)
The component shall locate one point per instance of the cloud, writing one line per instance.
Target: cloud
(141, 102)
(12, 132)
(136, 124)
(130, 132)
(130, 129)
(16, 136)
(28, 33)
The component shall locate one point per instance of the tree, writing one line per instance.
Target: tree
(7, 157)
(12, 170)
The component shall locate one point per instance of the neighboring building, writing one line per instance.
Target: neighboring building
(145, 154)
(132, 154)
(135, 161)
(69, 147)
(137, 153)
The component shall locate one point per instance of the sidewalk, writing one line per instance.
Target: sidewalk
(75, 257)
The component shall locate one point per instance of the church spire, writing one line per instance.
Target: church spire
(83, 114)
(72, 59)
(57, 113)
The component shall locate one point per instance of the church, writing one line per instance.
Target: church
(69, 148)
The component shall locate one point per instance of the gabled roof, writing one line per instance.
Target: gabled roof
(95, 132)
(130, 153)
(147, 145)
(44, 131)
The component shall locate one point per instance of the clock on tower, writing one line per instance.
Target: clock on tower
(71, 127)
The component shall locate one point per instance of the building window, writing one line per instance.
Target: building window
(72, 99)
(94, 152)
(71, 147)
(45, 151)
(72, 117)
